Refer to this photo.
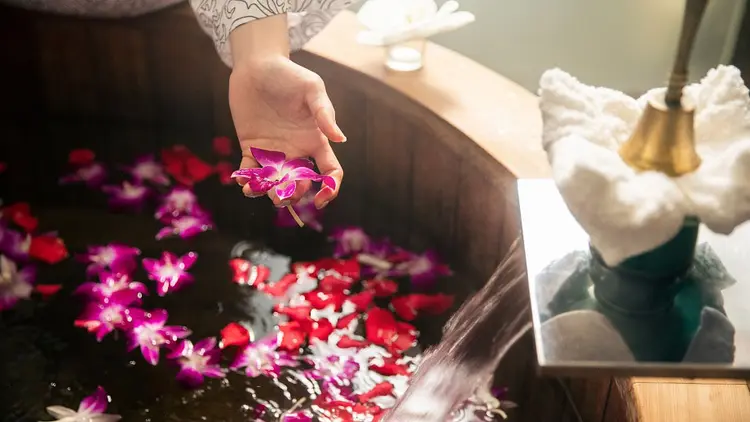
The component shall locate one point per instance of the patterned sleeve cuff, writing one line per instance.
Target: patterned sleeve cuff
(218, 18)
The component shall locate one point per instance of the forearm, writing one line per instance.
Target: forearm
(260, 39)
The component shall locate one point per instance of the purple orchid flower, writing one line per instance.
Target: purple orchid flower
(178, 202)
(14, 284)
(91, 409)
(109, 284)
(128, 195)
(149, 332)
(101, 318)
(115, 257)
(349, 241)
(92, 174)
(334, 373)
(424, 269)
(186, 226)
(307, 212)
(13, 244)
(147, 169)
(279, 174)
(170, 272)
(197, 361)
(263, 358)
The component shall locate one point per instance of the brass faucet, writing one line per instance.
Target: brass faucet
(664, 139)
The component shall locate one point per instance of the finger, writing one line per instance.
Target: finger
(323, 111)
(328, 165)
(247, 162)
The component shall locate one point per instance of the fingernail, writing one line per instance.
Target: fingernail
(323, 205)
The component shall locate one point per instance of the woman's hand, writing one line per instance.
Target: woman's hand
(279, 105)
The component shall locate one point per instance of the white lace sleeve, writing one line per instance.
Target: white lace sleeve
(219, 18)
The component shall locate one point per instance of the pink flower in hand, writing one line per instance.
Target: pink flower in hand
(149, 332)
(170, 272)
(279, 174)
(197, 361)
(91, 409)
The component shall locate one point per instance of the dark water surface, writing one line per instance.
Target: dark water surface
(45, 360)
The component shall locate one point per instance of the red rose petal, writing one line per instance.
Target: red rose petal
(20, 214)
(380, 326)
(224, 170)
(48, 249)
(295, 313)
(348, 268)
(234, 335)
(47, 290)
(321, 300)
(81, 156)
(362, 300)
(384, 388)
(222, 145)
(245, 272)
(321, 329)
(390, 368)
(198, 169)
(410, 306)
(291, 336)
(346, 342)
(334, 284)
(344, 321)
(381, 287)
(279, 288)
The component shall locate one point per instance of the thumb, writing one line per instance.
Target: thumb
(323, 112)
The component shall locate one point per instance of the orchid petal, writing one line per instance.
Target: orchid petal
(205, 345)
(296, 163)
(60, 412)
(158, 317)
(268, 158)
(300, 173)
(190, 377)
(95, 403)
(165, 232)
(150, 354)
(286, 190)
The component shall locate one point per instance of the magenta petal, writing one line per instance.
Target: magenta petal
(296, 163)
(214, 372)
(131, 340)
(191, 231)
(158, 317)
(150, 264)
(188, 260)
(205, 345)
(182, 348)
(165, 232)
(268, 158)
(150, 354)
(328, 181)
(95, 403)
(174, 332)
(87, 289)
(286, 191)
(300, 173)
(190, 377)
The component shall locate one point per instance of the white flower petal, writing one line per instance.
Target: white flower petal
(60, 412)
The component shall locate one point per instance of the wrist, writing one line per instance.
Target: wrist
(260, 40)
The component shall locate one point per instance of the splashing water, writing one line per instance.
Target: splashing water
(474, 342)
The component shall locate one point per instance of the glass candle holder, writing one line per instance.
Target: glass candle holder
(407, 56)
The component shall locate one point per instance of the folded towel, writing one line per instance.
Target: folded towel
(626, 212)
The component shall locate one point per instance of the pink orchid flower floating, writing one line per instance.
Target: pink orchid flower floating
(92, 175)
(149, 331)
(353, 348)
(127, 195)
(280, 175)
(91, 409)
(197, 361)
(170, 272)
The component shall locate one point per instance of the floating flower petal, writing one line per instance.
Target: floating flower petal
(349, 241)
(170, 272)
(91, 409)
(184, 166)
(128, 195)
(92, 174)
(147, 169)
(186, 226)
(81, 156)
(114, 257)
(424, 269)
(262, 357)
(149, 332)
(48, 248)
(103, 318)
(14, 284)
(13, 244)
(197, 361)
(178, 202)
(20, 214)
(410, 306)
(109, 284)
(222, 145)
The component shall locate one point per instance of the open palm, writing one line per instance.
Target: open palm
(281, 106)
